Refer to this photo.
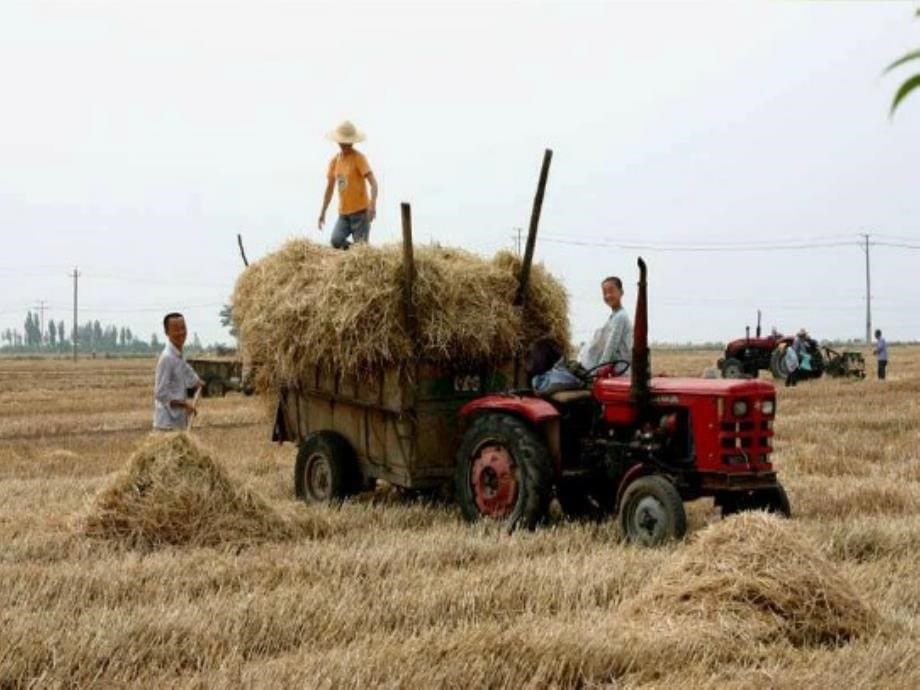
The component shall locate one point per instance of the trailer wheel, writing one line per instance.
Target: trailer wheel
(326, 470)
(215, 388)
(732, 369)
(504, 472)
(773, 500)
(652, 512)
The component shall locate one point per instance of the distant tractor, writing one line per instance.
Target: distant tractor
(746, 357)
(220, 374)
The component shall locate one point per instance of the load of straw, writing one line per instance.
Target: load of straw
(173, 492)
(754, 578)
(310, 305)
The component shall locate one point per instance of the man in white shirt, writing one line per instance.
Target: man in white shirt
(171, 408)
(613, 341)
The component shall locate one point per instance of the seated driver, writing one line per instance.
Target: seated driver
(548, 369)
(613, 341)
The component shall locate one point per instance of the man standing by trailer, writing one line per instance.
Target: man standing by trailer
(881, 352)
(351, 174)
(171, 407)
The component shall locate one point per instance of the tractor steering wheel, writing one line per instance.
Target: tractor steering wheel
(620, 367)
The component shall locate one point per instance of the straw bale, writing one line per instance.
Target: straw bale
(173, 492)
(309, 305)
(755, 576)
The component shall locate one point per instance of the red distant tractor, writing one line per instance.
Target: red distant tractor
(636, 446)
(746, 357)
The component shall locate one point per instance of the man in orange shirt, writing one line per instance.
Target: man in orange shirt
(351, 173)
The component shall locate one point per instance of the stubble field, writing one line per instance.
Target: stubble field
(386, 591)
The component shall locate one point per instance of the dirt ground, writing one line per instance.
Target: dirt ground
(396, 593)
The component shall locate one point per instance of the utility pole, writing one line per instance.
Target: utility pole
(865, 236)
(76, 276)
(517, 238)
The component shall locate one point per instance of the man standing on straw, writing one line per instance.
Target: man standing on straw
(350, 172)
(171, 408)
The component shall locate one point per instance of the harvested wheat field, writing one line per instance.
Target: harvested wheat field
(186, 562)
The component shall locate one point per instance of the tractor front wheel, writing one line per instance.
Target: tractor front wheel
(326, 470)
(504, 472)
(652, 512)
(732, 369)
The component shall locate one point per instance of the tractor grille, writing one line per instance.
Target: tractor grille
(746, 441)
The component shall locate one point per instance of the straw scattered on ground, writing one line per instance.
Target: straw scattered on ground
(310, 305)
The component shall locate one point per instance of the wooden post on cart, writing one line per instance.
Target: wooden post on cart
(520, 299)
(409, 270)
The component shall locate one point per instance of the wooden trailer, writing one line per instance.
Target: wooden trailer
(400, 426)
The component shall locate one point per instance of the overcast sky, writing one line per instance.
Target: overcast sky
(137, 139)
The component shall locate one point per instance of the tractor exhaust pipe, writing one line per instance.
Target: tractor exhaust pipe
(641, 360)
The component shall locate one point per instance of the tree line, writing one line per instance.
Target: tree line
(92, 336)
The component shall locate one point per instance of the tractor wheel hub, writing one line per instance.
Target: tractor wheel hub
(493, 479)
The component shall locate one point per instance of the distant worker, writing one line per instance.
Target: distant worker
(350, 172)
(797, 358)
(613, 341)
(881, 352)
(800, 342)
(173, 379)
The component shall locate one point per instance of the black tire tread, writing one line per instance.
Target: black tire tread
(529, 453)
(342, 463)
(664, 490)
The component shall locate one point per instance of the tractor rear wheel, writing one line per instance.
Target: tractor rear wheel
(778, 364)
(504, 472)
(326, 470)
(652, 512)
(732, 369)
(772, 500)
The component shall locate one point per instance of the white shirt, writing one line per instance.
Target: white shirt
(612, 341)
(173, 379)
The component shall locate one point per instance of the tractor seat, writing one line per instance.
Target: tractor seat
(565, 395)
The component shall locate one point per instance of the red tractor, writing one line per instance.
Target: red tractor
(634, 446)
(745, 357)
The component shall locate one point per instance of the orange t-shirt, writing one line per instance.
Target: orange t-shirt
(348, 172)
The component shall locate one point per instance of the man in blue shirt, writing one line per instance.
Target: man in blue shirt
(881, 352)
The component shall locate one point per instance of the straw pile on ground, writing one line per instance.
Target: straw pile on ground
(173, 492)
(307, 305)
(754, 579)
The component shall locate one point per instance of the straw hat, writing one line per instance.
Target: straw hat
(346, 133)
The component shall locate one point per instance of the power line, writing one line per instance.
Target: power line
(700, 248)
(902, 245)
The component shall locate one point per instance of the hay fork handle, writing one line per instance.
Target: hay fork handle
(191, 417)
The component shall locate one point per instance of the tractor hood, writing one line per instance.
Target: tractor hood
(667, 385)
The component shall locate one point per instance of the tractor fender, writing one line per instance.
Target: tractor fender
(535, 411)
(632, 474)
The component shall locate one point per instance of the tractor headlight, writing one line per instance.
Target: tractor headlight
(767, 407)
(739, 408)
